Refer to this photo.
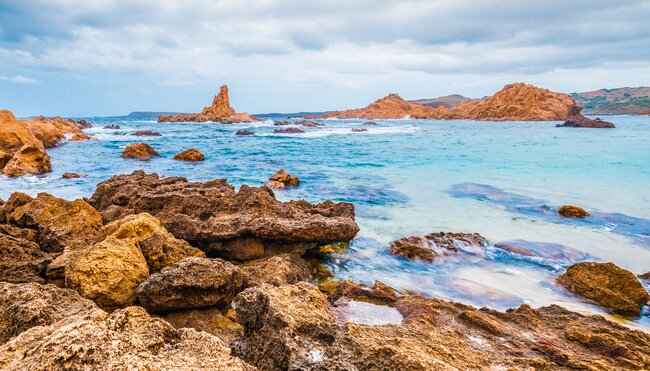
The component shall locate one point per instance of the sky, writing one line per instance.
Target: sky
(110, 57)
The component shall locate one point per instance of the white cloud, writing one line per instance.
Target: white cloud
(20, 79)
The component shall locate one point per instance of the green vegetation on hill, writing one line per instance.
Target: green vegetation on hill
(621, 101)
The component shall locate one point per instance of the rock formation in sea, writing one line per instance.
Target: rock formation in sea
(146, 133)
(282, 179)
(434, 245)
(515, 102)
(288, 131)
(141, 151)
(23, 143)
(571, 211)
(190, 155)
(219, 111)
(583, 122)
(73, 175)
(310, 124)
(244, 132)
(607, 285)
(243, 225)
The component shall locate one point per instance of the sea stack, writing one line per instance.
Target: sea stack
(219, 111)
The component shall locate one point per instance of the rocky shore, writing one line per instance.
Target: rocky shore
(515, 102)
(163, 273)
(219, 111)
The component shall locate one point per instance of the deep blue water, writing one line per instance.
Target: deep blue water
(501, 179)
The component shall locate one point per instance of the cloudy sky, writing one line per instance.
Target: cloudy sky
(108, 57)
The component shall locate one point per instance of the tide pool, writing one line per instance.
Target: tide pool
(407, 177)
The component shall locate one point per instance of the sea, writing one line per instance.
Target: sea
(504, 180)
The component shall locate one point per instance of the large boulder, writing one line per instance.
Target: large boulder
(58, 223)
(242, 225)
(190, 155)
(570, 211)
(159, 247)
(21, 153)
(434, 245)
(53, 130)
(128, 339)
(607, 285)
(22, 260)
(108, 272)
(23, 306)
(140, 151)
(279, 270)
(191, 283)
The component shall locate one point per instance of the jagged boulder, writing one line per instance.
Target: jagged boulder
(434, 245)
(53, 130)
(21, 153)
(210, 320)
(570, 211)
(22, 260)
(607, 285)
(190, 155)
(140, 151)
(279, 270)
(191, 283)
(242, 225)
(128, 339)
(282, 179)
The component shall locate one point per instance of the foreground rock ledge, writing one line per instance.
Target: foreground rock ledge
(243, 225)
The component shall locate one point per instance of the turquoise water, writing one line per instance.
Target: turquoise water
(500, 179)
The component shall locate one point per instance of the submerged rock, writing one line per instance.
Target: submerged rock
(570, 211)
(358, 130)
(127, 339)
(288, 131)
(190, 155)
(146, 133)
(244, 132)
(219, 111)
(433, 245)
(607, 285)
(191, 283)
(583, 122)
(544, 250)
(282, 179)
(370, 123)
(242, 225)
(112, 127)
(73, 175)
(141, 151)
(305, 123)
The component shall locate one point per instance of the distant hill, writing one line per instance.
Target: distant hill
(447, 101)
(148, 115)
(620, 101)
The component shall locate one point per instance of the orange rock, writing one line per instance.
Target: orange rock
(282, 179)
(219, 111)
(141, 151)
(191, 155)
(389, 107)
(53, 130)
(570, 211)
(21, 152)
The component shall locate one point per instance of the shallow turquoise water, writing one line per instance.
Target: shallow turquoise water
(500, 179)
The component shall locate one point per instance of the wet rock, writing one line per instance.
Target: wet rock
(127, 339)
(570, 211)
(23, 306)
(370, 123)
(191, 283)
(58, 223)
(108, 273)
(282, 179)
(288, 131)
(209, 320)
(159, 247)
(583, 122)
(22, 260)
(83, 124)
(191, 155)
(434, 245)
(141, 151)
(305, 123)
(544, 250)
(21, 153)
(53, 130)
(378, 293)
(607, 285)
(242, 225)
(284, 269)
(244, 132)
(358, 130)
(112, 127)
(645, 276)
(73, 175)
(284, 327)
(219, 111)
(146, 133)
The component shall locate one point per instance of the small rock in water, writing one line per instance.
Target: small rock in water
(429, 247)
(544, 250)
(359, 130)
(244, 132)
(570, 211)
(365, 313)
(112, 126)
(370, 123)
(288, 131)
(607, 285)
(190, 155)
(282, 179)
(73, 175)
(141, 151)
(146, 133)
